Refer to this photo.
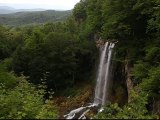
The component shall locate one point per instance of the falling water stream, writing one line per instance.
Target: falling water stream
(103, 74)
(101, 85)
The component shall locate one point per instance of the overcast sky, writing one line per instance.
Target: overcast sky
(46, 4)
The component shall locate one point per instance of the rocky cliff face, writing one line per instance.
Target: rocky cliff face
(99, 43)
(129, 82)
(156, 107)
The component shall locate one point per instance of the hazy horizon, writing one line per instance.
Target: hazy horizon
(40, 4)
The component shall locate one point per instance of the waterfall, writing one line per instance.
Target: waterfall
(103, 74)
(101, 90)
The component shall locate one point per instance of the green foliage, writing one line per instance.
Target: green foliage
(109, 112)
(48, 111)
(152, 82)
(6, 64)
(63, 56)
(24, 102)
(135, 109)
(7, 78)
(140, 70)
(88, 15)
(4, 43)
(79, 11)
(9, 40)
(153, 55)
(147, 72)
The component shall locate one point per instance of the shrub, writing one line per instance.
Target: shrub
(24, 102)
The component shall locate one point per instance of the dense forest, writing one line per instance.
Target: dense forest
(47, 70)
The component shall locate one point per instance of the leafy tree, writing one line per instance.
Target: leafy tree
(7, 78)
(79, 11)
(5, 43)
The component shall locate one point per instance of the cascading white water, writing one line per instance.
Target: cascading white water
(103, 74)
(101, 85)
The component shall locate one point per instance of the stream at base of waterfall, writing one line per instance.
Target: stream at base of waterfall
(103, 77)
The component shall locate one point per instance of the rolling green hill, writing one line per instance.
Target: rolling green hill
(31, 18)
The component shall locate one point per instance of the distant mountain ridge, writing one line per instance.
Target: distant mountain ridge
(33, 17)
(6, 10)
(9, 10)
